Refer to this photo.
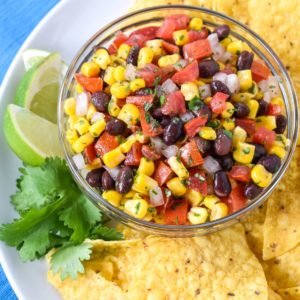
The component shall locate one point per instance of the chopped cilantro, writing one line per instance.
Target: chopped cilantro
(195, 104)
(246, 150)
(213, 123)
(148, 117)
(168, 193)
(137, 207)
(162, 100)
(181, 37)
(228, 133)
(154, 192)
(147, 106)
(200, 177)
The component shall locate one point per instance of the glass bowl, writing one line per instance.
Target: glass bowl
(154, 16)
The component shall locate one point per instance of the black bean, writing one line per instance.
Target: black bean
(127, 132)
(173, 131)
(94, 177)
(222, 31)
(165, 121)
(225, 161)
(263, 108)
(222, 143)
(144, 92)
(107, 182)
(157, 113)
(115, 126)
(271, 162)
(100, 100)
(281, 123)
(124, 180)
(260, 151)
(132, 57)
(252, 191)
(222, 186)
(204, 111)
(208, 68)
(244, 60)
(206, 147)
(219, 86)
(241, 110)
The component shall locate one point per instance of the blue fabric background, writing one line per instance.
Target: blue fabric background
(17, 20)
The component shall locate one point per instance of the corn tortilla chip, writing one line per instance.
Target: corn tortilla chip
(273, 295)
(290, 293)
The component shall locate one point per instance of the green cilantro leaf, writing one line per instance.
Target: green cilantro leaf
(228, 133)
(105, 233)
(195, 104)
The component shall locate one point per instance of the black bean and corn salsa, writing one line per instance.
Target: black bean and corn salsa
(178, 123)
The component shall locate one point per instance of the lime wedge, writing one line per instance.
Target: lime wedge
(39, 87)
(31, 137)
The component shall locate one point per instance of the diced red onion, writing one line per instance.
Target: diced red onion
(263, 85)
(211, 165)
(218, 51)
(97, 116)
(169, 87)
(205, 91)
(267, 97)
(213, 40)
(113, 172)
(130, 72)
(233, 83)
(226, 57)
(187, 116)
(84, 172)
(180, 64)
(82, 102)
(79, 161)
(273, 86)
(156, 196)
(220, 76)
(158, 144)
(170, 151)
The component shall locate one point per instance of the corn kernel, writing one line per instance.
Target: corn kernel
(129, 195)
(113, 108)
(137, 208)
(109, 77)
(225, 42)
(96, 164)
(253, 106)
(70, 106)
(146, 167)
(72, 121)
(261, 176)
(168, 60)
(245, 79)
(82, 142)
(123, 51)
(137, 84)
(82, 126)
(254, 89)
(141, 138)
(221, 66)
(120, 89)
(194, 197)
(129, 114)
(281, 141)
(146, 56)
(196, 24)
(207, 100)
(159, 219)
(91, 110)
(277, 150)
(207, 133)
(143, 183)
(101, 58)
(268, 122)
(239, 135)
(113, 197)
(210, 200)
(97, 128)
(178, 167)
(259, 95)
(228, 112)
(279, 101)
(243, 153)
(180, 37)
(71, 136)
(228, 124)
(218, 211)
(155, 46)
(235, 47)
(113, 158)
(197, 215)
(79, 88)
(176, 186)
(241, 97)
(119, 73)
(151, 213)
(189, 90)
(126, 146)
(90, 69)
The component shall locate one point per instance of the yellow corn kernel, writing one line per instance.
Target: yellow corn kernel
(178, 167)
(210, 200)
(101, 58)
(90, 69)
(146, 56)
(141, 138)
(159, 219)
(225, 42)
(228, 124)
(129, 195)
(119, 73)
(281, 141)
(261, 176)
(71, 136)
(109, 77)
(207, 100)
(268, 122)
(143, 183)
(254, 89)
(241, 97)
(197, 215)
(235, 47)
(207, 133)
(168, 60)
(218, 211)
(279, 101)
(96, 164)
(123, 51)
(117, 61)
(180, 37)
(120, 89)
(126, 146)
(243, 153)
(146, 167)
(137, 84)
(151, 213)
(82, 126)
(196, 24)
(253, 106)
(194, 197)
(72, 121)
(245, 79)
(277, 150)
(259, 95)
(82, 142)
(113, 158)
(228, 112)
(137, 208)
(113, 108)
(79, 88)
(97, 128)
(113, 197)
(189, 90)
(129, 114)
(176, 186)
(70, 106)
(221, 65)
(239, 135)
(155, 46)
(91, 110)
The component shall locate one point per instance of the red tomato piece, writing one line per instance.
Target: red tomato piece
(218, 102)
(168, 201)
(236, 199)
(247, 124)
(192, 127)
(264, 136)
(162, 173)
(167, 72)
(187, 74)
(121, 102)
(191, 155)
(140, 101)
(174, 104)
(149, 32)
(134, 156)
(120, 39)
(197, 181)
(194, 35)
(90, 153)
(91, 84)
(150, 126)
(151, 74)
(240, 173)
(165, 31)
(181, 20)
(197, 50)
(177, 213)
(274, 110)
(170, 48)
(106, 143)
(259, 71)
(136, 40)
(150, 153)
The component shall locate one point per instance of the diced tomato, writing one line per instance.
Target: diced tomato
(181, 20)
(162, 173)
(187, 74)
(259, 71)
(177, 213)
(134, 156)
(170, 48)
(218, 102)
(168, 202)
(193, 126)
(197, 50)
(194, 35)
(91, 84)
(167, 72)
(121, 102)
(120, 39)
(106, 143)
(174, 104)
(236, 199)
(240, 173)
(149, 32)
(274, 109)
(150, 153)
(150, 126)
(197, 181)
(247, 124)
(264, 136)
(151, 74)
(90, 153)
(191, 155)
(136, 40)
(140, 101)
(165, 31)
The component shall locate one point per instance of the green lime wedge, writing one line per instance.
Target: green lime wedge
(31, 137)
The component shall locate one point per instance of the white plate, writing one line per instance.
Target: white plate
(64, 29)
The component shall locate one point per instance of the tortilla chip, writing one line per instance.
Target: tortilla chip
(273, 295)
(290, 293)
(129, 233)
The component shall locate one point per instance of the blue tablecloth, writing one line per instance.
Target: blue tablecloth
(18, 18)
